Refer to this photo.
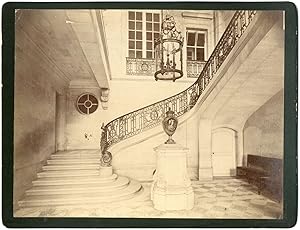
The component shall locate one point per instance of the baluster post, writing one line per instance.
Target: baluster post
(106, 156)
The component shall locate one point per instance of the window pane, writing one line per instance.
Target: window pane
(148, 17)
(93, 99)
(138, 54)
(149, 46)
(131, 44)
(131, 54)
(139, 36)
(131, 15)
(200, 54)
(191, 39)
(156, 17)
(156, 35)
(190, 53)
(156, 26)
(131, 35)
(149, 36)
(149, 26)
(149, 54)
(138, 15)
(139, 45)
(139, 26)
(93, 108)
(131, 25)
(201, 40)
(82, 99)
(82, 108)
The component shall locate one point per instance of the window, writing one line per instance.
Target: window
(135, 34)
(143, 29)
(196, 43)
(87, 103)
(152, 32)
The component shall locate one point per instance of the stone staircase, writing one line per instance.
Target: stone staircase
(72, 178)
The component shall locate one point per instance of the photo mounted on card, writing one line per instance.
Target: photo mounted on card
(149, 115)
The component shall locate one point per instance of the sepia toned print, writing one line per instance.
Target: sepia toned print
(149, 113)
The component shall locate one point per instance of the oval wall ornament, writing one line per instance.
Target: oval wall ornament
(87, 103)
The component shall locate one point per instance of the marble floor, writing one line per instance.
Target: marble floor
(221, 198)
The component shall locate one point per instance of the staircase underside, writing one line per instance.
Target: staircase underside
(257, 78)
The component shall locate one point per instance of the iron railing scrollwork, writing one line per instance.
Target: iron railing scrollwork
(152, 115)
(194, 68)
(140, 66)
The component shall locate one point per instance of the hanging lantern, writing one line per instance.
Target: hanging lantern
(168, 51)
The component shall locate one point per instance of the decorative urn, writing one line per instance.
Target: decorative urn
(170, 123)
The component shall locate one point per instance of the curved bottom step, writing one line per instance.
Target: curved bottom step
(47, 181)
(83, 199)
(119, 183)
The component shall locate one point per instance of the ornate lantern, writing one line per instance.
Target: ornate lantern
(168, 51)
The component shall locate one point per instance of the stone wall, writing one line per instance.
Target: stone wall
(222, 19)
(36, 87)
(83, 131)
(124, 97)
(263, 131)
(136, 157)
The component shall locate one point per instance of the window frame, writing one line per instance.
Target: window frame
(135, 41)
(144, 34)
(205, 47)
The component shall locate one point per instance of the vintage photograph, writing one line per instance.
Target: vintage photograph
(149, 113)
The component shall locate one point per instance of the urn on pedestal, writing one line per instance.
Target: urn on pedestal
(171, 188)
(170, 123)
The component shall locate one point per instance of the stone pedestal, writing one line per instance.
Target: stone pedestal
(105, 171)
(171, 188)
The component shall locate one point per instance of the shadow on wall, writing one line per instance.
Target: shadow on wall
(31, 150)
(263, 131)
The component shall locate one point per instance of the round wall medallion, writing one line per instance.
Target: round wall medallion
(87, 103)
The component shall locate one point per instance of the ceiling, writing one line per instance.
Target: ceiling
(60, 38)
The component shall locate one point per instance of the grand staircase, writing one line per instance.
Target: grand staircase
(72, 178)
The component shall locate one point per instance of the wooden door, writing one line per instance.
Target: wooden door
(224, 152)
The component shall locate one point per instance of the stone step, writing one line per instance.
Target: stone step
(75, 156)
(70, 167)
(120, 183)
(68, 173)
(73, 161)
(47, 181)
(82, 199)
(82, 151)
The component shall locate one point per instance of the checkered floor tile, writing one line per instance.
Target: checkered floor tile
(221, 198)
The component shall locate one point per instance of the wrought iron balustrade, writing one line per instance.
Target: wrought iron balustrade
(140, 66)
(150, 116)
(194, 68)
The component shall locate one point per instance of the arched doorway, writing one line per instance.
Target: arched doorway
(224, 152)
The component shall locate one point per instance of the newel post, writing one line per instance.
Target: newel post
(106, 156)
